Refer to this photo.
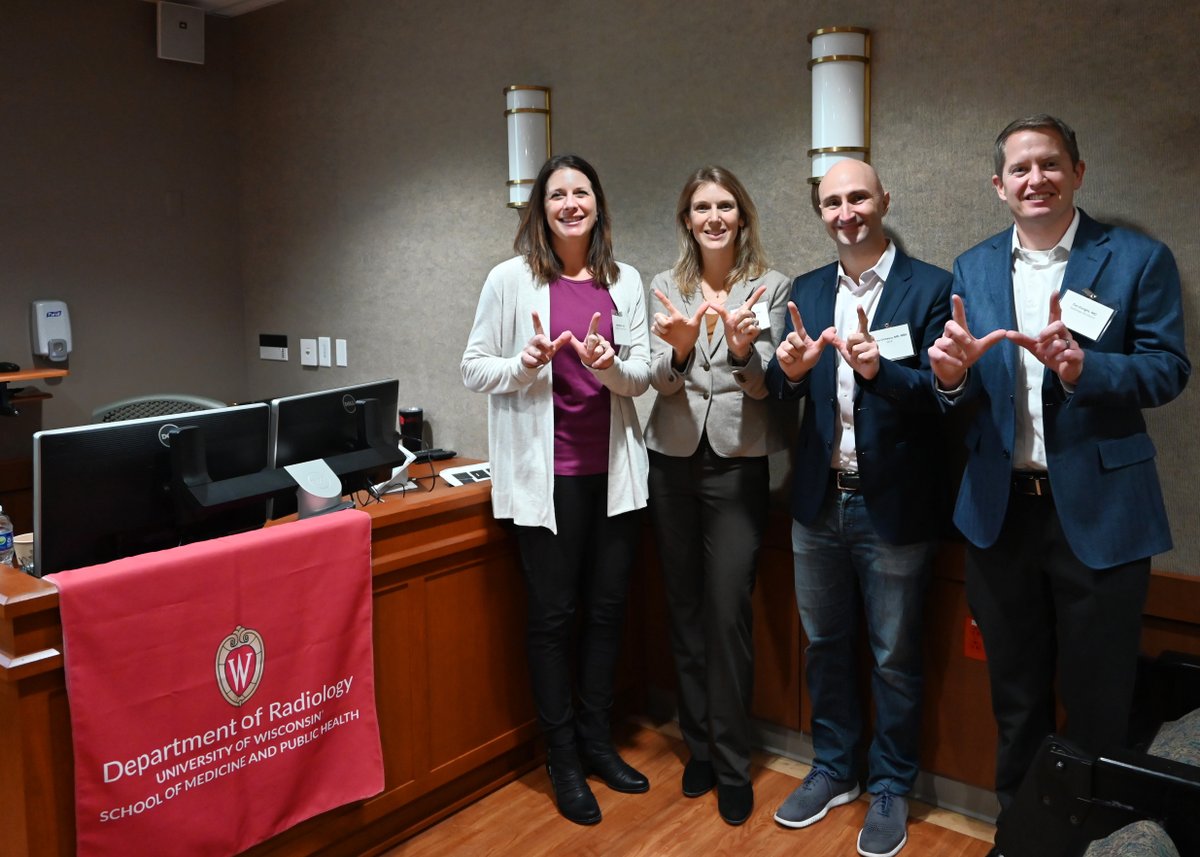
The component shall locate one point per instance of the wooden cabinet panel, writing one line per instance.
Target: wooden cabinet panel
(396, 634)
(777, 643)
(479, 686)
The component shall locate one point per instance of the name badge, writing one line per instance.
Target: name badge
(621, 335)
(762, 315)
(1085, 316)
(895, 343)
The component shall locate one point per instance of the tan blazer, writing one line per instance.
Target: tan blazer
(729, 403)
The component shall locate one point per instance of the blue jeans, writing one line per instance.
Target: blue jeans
(840, 560)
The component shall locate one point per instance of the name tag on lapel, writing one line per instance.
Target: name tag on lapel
(1085, 316)
(895, 343)
(620, 325)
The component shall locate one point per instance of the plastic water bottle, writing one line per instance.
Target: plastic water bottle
(6, 543)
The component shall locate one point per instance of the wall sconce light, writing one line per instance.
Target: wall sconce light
(528, 112)
(841, 97)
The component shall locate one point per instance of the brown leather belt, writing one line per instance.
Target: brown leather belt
(1033, 484)
(846, 480)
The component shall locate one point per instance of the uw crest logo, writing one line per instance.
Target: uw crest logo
(240, 665)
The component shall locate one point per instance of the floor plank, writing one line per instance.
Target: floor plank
(520, 819)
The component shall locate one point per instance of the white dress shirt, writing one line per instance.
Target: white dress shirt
(850, 296)
(1036, 275)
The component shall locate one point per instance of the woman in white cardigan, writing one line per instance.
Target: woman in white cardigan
(560, 346)
(709, 435)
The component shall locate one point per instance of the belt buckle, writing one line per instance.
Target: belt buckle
(843, 486)
(1033, 485)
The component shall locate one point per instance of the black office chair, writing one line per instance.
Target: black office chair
(1126, 802)
(159, 405)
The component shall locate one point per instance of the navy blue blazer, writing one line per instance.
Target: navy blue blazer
(1099, 457)
(897, 431)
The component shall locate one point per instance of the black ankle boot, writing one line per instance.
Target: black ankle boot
(571, 792)
(602, 759)
(698, 778)
(735, 803)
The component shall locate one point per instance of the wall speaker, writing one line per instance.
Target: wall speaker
(180, 33)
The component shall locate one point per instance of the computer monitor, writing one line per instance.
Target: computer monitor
(328, 425)
(102, 492)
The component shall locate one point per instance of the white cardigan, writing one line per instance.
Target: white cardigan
(521, 402)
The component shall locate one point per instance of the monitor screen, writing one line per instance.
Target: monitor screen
(102, 492)
(325, 424)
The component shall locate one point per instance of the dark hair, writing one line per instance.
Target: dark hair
(1037, 122)
(748, 263)
(533, 235)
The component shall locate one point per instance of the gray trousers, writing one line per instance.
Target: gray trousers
(709, 515)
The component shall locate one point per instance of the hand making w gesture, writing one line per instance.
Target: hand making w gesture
(741, 325)
(799, 352)
(956, 350)
(860, 349)
(595, 351)
(1054, 346)
(540, 350)
(676, 329)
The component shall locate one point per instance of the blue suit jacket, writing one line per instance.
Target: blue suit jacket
(1099, 456)
(897, 428)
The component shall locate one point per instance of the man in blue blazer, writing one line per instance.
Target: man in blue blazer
(1060, 499)
(866, 497)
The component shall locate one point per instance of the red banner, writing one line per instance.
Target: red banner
(221, 692)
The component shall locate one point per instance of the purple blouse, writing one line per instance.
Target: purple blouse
(581, 402)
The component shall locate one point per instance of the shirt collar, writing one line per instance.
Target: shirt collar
(1060, 252)
(876, 273)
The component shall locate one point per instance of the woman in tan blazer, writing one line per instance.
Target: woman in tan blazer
(721, 311)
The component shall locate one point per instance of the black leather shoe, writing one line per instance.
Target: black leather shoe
(735, 803)
(698, 778)
(604, 761)
(571, 792)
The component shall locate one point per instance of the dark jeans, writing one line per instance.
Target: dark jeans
(840, 562)
(709, 516)
(584, 568)
(1041, 610)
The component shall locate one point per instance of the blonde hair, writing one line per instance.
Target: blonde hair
(749, 261)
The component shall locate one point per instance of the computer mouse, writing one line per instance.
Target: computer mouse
(5, 366)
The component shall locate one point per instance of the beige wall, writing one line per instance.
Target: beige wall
(370, 156)
(118, 196)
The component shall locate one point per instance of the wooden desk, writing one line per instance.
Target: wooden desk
(455, 711)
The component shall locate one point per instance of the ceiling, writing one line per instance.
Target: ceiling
(225, 8)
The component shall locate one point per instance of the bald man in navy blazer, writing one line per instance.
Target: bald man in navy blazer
(1082, 328)
(867, 499)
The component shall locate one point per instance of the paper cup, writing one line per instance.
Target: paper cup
(23, 547)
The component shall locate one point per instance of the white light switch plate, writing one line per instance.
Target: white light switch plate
(308, 352)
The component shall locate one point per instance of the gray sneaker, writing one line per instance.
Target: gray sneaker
(814, 797)
(886, 829)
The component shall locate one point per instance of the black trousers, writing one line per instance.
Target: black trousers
(709, 515)
(584, 569)
(1042, 612)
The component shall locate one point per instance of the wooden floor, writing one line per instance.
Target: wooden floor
(520, 819)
